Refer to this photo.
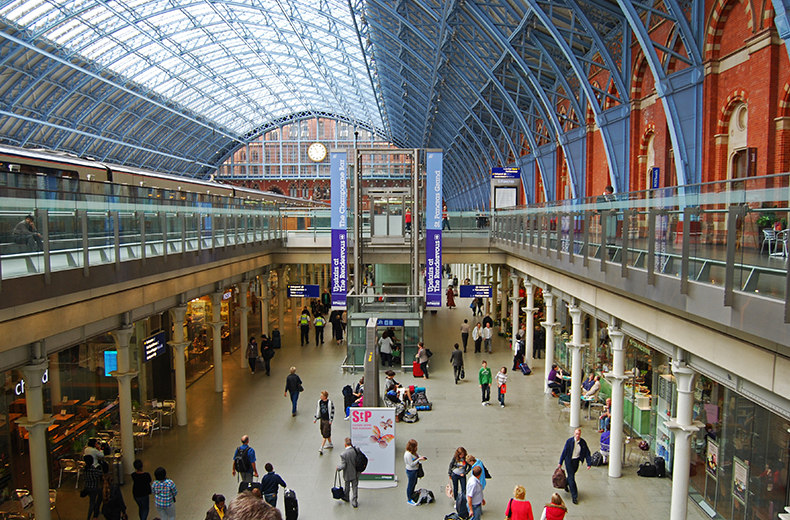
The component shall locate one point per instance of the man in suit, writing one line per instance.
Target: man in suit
(573, 453)
(457, 360)
(348, 460)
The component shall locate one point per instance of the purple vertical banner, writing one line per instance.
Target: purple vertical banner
(339, 190)
(433, 230)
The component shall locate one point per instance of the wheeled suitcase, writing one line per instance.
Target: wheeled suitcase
(416, 369)
(525, 369)
(291, 505)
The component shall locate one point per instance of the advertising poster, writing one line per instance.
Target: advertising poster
(339, 189)
(373, 432)
(712, 458)
(433, 230)
(740, 479)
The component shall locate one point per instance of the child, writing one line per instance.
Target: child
(501, 383)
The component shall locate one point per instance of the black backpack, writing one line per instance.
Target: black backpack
(360, 461)
(428, 352)
(242, 460)
(596, 459)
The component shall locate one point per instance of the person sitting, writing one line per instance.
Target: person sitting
(393, 391)
(555, 381)
(606, 416)
(25, 233)
(588, 382)
(592, 393)
(605, 436)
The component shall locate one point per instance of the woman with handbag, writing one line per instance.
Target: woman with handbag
(113, 507)
(412, 461)
(457, 471)
(518, 508)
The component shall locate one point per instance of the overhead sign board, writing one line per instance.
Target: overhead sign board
(476, 291)
(505, 173)
(389, 323)
(304, 291)
(154, 346)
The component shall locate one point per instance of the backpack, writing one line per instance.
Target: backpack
(347, 391)
(596, 459)
(360, 461)
(428, 352)
(411, 416)
(242, 460)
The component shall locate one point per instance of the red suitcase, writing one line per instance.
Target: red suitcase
(416, 369)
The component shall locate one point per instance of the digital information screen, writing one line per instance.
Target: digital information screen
(110, 362)
(475, 291)
(154, 346)
(303, 291)
(504, 197)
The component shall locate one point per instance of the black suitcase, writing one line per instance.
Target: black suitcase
(291, 505)
(661, 468)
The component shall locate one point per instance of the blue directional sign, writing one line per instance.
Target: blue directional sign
(303, 291)
(505, 173)
(389, 323)
(476, 291)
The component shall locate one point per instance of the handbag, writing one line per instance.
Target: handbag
(420, 471)
(503, 388)
(448, 490)
(558, 479)
(509, 511)
(300, 389)
(338, 493)
(463, 374)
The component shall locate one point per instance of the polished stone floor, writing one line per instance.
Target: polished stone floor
(520, 444)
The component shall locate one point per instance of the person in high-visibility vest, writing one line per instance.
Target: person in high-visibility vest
(304, 325)
(319, 329)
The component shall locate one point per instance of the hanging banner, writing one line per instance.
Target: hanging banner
(339, 189)
(373, 432)
(433, 230)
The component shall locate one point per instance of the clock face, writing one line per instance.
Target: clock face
(316, 152)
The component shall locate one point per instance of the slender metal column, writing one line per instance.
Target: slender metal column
(216, 338)
(616, 377)
(683, 428)
(530, 325)
(549, 325)
(124, 375)
(244, 309)
(576, 365)
(179, 345)
(514, 315)
(36, 424)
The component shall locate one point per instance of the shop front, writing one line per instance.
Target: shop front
(739, 463)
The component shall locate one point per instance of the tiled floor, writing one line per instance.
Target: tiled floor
(520, 444)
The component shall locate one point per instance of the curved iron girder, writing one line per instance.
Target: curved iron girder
(688, 83)
(473, 161)
(511, 105)
(782, 20)
(617, 177)
(548, 114)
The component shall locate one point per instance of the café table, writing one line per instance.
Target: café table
(62, 416)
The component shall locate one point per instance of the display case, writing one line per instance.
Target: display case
(664, 410)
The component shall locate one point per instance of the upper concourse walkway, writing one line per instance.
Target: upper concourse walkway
(697, 253)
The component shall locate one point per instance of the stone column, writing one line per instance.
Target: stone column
(264, 301)
(36, 424)
(281, 300)
(216, 338)
(576, 365)
(494, 294)
(514, 315)
(616, 377)
(244, 309)
(178, 344)
(530, 325)
(683, 428)
(124, 375)
(503, 298)
(55, 393)
(549, 325)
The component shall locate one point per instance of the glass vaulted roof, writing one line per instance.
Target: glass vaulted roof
(235, 63)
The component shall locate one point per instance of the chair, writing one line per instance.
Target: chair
(769, 235)
(781, 239)
(565, 409)
(142, 429)
(168, 410)
(70, 466)
(53, 501)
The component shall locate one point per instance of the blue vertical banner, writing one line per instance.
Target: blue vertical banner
(433, 230)
(339, 176)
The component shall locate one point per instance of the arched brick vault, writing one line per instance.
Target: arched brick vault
(638, 76)
(719, 14)
(650, 130)
(784, 101)
(735, 98)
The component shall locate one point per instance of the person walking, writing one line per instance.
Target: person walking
(477, 336)
(407, 220)
(304, 327)
(92, 488)
(244, 461)
(385, 349)
(488, 333)
(487, 320)
(445, 219)
(501, 386)
(348, 465)
(319, 324)
(484, 380)
(473, 463)
(458, 470)
(326, 300)
(465, 333)
(165, 492)
(141, 489)
(474, 494)
(457, 360)
(270, 485)
(113, 505)
(325, 412)
(450, 297)
(574, 451)
(252, 353)
(422, 357)
(293, 384)
(218, 510)
(554, 510)
(518, 508)
(267, 353)
(412, 461)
